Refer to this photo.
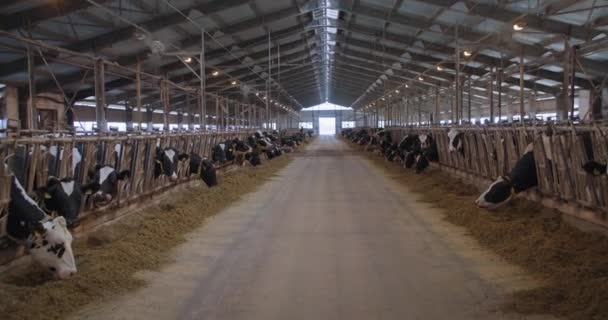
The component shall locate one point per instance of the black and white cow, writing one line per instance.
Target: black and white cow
(104, 183)
(55, 158)
(241, 150)
(63, 196)
(428, 152)
(521, 178)
(456, 141)
(47, 239)
(203, 168)
(166, 162)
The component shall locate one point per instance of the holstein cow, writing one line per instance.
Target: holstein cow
(456, 141)
(241, 150)
(218, 155)
(166, 162)
(47, 239)
(63, 196)
(408, 149)
(203, 168)
(428, 152)
(521, 178)
(104, 183)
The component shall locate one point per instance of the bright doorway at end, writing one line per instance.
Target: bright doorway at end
(327, 126)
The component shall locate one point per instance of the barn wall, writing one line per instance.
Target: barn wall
(340, 115)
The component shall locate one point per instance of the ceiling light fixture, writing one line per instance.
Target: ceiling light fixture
(439, 68)
(467, 53)
(233, 83)
(519, 26)
(187, 59)
(420, 78)
(215, 73)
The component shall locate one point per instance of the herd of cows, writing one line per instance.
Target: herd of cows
(416, 151)
(41, 221)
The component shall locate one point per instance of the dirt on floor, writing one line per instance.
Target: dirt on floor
(573, 264)
(109, 258)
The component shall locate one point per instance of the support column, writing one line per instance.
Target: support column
(138, 94)
(203, 75)
(100, 96)
(563, 98)
(30, 121)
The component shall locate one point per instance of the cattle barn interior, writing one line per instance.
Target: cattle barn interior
(361, 159)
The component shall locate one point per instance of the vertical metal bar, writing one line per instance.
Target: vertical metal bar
(203, 106)
(458, 84)
(138, 93)
(166, 103)
(100, 96)
(521, 88)
(469, 94)
(267, 116)
(217, 113)
(572, 77)
(437, 103)
(30, 115)
(492, 96)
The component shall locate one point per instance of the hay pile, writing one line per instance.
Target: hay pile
(572, 263)
(109, 258)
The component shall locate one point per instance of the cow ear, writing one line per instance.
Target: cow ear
(182, 157)
(125, 174)
(61, 221)
(39, 229)
(51, 181)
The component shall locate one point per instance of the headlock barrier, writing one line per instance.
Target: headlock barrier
(33, 159)
(560, 151)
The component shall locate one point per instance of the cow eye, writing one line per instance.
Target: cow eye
(52, 269)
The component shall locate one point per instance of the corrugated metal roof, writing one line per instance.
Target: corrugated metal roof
(329, 50)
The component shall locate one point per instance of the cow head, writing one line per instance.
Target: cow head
(241, 147)
(104, 183)
(455, 141)
(422, 162)
(595, 168)
(50, 245)
(496, 195)
(204, 168)
(166, 162)
(63, 196)
(410, 159)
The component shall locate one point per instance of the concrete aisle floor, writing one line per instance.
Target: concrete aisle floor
(330, 237)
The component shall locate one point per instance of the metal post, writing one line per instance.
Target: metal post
(572, 85)
(521, 88)
(458, 84)
(203, 75)
(437, 104)
(100, 96)
(30, 111)
(267, 116)
(217, 113)
(499, 84)
(491, 91)
(469, 94)
(138, 93)
(165, 100)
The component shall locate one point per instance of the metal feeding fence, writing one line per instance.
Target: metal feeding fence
(33, 159)
(559, 153)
